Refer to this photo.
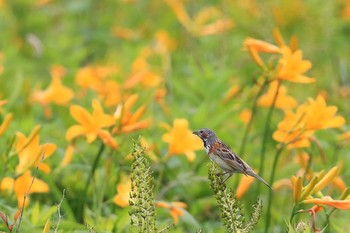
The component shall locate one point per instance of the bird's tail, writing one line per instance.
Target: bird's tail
(252, 173)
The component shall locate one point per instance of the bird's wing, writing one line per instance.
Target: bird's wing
(226, 154)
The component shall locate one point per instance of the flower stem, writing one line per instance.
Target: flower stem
(249, 125)
(272, 179)
(266, 134)
(88, 181)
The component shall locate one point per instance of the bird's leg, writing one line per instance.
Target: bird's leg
(224, 174)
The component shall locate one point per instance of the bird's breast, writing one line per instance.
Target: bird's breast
(222, 164)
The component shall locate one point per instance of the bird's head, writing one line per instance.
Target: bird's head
(207, 135)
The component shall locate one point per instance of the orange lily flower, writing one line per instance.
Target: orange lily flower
(92, 77)
(122, 197)
(231, 92)
(199, 26)
(91, 125)
(327, 200)
(164, 44)
(243, 186)
(291, 66)
(321, 116)
(245, 115)
(21, 185)
(181, 140)
(56, 93)
(297, 128)
(142, 73)
(111, 93)
(260, 46)
(175, 208)
(283, 101)
(128, 121)
(291, 130)
(5, 123)
(31, 154)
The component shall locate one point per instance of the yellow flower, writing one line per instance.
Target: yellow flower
(181, 140)
(283, 101)
(31, 154)
(91, 126)
(122, 197)
(175, 208)
(291, 66)
(128, 121)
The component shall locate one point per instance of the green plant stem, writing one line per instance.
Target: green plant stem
(266, 134)
(293, 213)
(272, 179)
(88, 181)
(67, 209)
(249, 125)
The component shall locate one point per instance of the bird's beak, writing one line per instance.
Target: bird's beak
(195, 132)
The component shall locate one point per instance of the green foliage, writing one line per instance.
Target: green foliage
(231, 210)
(142, 204)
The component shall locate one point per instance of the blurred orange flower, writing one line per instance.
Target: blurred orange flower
(260, 46)
(56, 92)
(245, 115)
(320, 116)
(122, 197)
(128, 121)
(297, 128)
(142, 73)
(22, 184)
(164, 44)
(208, 21)
(181, 140)
(283, 101)
(92, 77)
(5, 123)
(291, 66)
(91, 126)
(110, 92)
(175, 208)
(231, 92)
(243, 186)
(31, 154)
(327, 200)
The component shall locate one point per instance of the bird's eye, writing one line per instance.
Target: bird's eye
(201, 131)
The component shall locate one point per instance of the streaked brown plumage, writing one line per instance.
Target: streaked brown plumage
(223, 155)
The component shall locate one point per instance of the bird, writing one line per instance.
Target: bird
(224, 156)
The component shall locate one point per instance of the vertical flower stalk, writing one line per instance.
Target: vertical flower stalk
(266, 132)
(142, 212)
(231, 210)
